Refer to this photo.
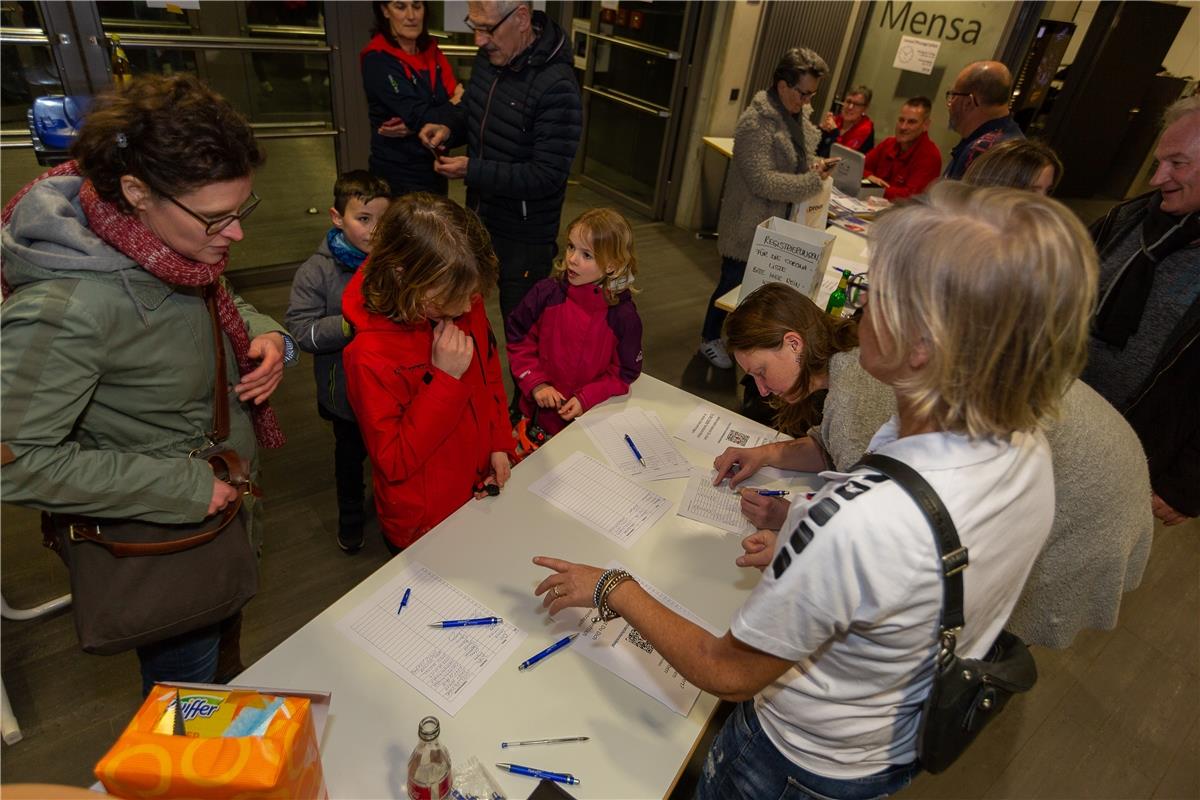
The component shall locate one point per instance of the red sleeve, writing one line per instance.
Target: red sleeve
(448, 79)
(402, 422)
(872, 160)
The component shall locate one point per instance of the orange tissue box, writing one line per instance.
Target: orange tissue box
(196, 741)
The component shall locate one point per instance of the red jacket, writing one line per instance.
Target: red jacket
(907, 173)
(571, 338)
(430, 436)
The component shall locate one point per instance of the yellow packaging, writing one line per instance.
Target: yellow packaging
(285, 762)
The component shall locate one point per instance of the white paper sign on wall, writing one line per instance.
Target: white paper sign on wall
(916, 55)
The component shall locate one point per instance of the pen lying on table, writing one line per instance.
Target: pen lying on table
(561, 740)
(463, 623)
(551, 650)
(530, 772)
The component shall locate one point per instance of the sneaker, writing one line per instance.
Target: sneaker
(714, 350)
(350, 539)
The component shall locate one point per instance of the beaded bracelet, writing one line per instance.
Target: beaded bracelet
(604, 587)
(604, 576)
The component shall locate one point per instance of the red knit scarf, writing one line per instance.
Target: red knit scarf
(127, 234)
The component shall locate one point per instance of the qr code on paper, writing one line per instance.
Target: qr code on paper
(636, 640)
(737, 438)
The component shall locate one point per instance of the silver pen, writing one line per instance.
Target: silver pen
(561, 740)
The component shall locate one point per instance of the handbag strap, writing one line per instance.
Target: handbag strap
(953, 555)
(220, 426)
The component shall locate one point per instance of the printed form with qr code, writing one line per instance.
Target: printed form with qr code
(618, 647)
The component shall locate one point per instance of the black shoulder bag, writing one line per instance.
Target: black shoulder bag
(966, 693)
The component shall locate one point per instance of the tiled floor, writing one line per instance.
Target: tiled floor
(1117, 715)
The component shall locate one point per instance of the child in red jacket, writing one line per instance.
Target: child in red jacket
(576, 338)
(423, 371)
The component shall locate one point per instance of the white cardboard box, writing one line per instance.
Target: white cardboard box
(787, 252)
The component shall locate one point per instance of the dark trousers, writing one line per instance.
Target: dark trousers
(521, 266)
(732, 272)
(187, 658)
(349, 453)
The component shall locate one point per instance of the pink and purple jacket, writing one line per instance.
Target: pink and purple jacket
(571, 338)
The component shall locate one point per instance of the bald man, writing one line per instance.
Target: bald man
(978, 106)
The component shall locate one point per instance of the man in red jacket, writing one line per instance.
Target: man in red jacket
(906, 163)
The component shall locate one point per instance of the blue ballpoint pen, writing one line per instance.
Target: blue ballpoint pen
(530, 772)
(636, 453)
(404, 600)
(463, 623)
(554, 648)
(771, 493)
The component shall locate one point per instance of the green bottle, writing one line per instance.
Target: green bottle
(837, 300)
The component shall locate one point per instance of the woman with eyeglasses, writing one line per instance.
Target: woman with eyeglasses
(110, 264)
(850, 126)
(408, 83)
(774, 167)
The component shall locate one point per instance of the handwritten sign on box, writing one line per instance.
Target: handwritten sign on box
(787, 252)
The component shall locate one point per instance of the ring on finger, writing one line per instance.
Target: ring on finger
(557, 591)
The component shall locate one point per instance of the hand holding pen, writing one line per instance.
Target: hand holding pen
(764, 510)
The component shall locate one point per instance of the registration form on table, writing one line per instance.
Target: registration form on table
(447, 665)
(605, 501)
(718, 506)
(648, 434)
(619, 647)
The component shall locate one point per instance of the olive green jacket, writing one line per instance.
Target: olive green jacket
(106, 374)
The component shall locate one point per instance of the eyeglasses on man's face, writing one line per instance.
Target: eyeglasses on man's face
(488, 30)
(214, 225)
(950, 95)
(856, 291)
(803, 94)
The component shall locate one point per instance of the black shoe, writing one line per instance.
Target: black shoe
(350, 539)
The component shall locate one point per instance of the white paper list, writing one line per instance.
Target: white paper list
(718, 506)
(619, 648)
(606, 502)
(663, 459)
(447, 665)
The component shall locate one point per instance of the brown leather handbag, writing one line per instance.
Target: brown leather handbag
(135, 583)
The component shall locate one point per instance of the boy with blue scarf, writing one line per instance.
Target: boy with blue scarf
(314, 319)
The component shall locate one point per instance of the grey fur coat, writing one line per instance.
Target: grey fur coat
(1103, 526)
(762, 181)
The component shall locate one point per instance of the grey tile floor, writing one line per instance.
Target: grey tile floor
(1117, 715)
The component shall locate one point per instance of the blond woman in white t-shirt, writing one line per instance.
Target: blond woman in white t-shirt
(977, 319)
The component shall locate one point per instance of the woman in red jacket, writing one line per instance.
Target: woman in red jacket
(423, 371)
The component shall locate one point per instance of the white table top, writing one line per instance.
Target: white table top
(847, 246)
(638, 746)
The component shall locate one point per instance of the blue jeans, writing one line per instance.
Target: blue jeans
(732, 272)
(743, 763)
(188, 658)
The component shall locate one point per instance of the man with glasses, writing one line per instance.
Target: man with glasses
(978, 106)
(521, 119)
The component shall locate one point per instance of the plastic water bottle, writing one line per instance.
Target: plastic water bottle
(429, 773)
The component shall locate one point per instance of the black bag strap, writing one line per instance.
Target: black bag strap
(953, 554)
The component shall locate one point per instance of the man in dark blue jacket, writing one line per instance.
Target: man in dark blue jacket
(521, 119)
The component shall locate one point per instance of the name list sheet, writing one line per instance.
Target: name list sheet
(447, 665)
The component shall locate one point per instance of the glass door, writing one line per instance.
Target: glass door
(27, 70)
(634, 80)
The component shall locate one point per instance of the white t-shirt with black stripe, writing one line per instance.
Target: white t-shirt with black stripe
(854, 593)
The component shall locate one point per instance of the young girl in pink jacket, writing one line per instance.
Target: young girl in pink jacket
(576, 338)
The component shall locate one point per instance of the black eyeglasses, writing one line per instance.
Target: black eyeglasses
(856, 291)
(214, 226)
(950, 95)
(488, 30)
(805, 95)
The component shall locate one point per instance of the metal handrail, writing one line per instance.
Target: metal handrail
(116, 25)
(458, 50)
(645, 48)
(648, 108)
(245, 43)
(23, 36)
(292, 30)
